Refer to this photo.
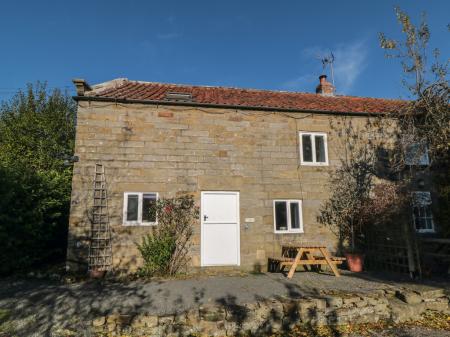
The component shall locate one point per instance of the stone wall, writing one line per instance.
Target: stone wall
(173, 150)
(265, 317)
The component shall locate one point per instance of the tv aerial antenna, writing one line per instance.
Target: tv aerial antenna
(327, 61)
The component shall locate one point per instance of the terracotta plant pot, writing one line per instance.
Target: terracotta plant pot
(355, 262)
(97, 274)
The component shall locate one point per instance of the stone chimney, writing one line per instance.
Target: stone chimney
(325, 88)
(82, 86)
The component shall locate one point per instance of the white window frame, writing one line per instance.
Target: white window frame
(300, 215)
(139, 221)
(425, 204)
(313, 148)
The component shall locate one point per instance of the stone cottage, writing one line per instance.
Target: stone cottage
(256, 162)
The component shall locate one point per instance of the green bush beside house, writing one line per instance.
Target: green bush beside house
(37, 131)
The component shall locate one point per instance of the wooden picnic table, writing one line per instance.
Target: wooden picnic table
(308, 255)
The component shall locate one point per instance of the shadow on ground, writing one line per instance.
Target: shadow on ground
(39, 306)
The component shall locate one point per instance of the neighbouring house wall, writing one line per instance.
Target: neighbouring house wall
(173, 150)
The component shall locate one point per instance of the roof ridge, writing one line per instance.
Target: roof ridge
(123, 88)
(97, 88)
(219, 87)
(261, 90)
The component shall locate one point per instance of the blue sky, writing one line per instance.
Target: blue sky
(253, 44)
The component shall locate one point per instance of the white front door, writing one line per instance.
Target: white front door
(220, 228)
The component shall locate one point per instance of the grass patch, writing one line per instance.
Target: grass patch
(4, 315)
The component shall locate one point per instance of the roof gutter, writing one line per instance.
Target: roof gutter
(223, 106)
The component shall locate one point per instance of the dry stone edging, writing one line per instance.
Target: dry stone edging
(268, 316)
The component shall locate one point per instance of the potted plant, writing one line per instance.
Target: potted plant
(97, 273)
(355, 259)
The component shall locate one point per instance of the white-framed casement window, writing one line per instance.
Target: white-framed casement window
(287, 216)
(417, 154)
(422, 215)
(313, 148)
(139, 208)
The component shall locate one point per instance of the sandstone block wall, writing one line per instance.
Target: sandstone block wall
(173, 150)
(268, 317)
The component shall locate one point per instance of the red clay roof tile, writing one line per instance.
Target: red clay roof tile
(148, 91)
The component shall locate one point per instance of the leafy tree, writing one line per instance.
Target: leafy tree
(37, 131)
(352, 182)
(426, 119)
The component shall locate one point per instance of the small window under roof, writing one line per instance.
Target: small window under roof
(178, 96)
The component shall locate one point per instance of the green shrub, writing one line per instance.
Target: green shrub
(37, 132)
(157, 251)
(165, 250)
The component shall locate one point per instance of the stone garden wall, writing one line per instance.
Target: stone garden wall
(265, 317)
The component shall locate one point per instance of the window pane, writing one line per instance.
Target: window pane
(427, 211)
(421, 198)
(132, 207)
(416, 212)
(320, 149)
(420, 223)
(295, 216)
(149, 208)
(307, 148)
(416, 154)
(280, 216)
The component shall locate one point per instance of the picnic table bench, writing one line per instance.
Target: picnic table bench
(295, 256)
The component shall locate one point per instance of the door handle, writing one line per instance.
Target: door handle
(205, 217)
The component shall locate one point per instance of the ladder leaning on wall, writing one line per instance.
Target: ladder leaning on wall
(100, 251)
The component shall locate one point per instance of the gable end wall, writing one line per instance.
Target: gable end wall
(173, 150)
